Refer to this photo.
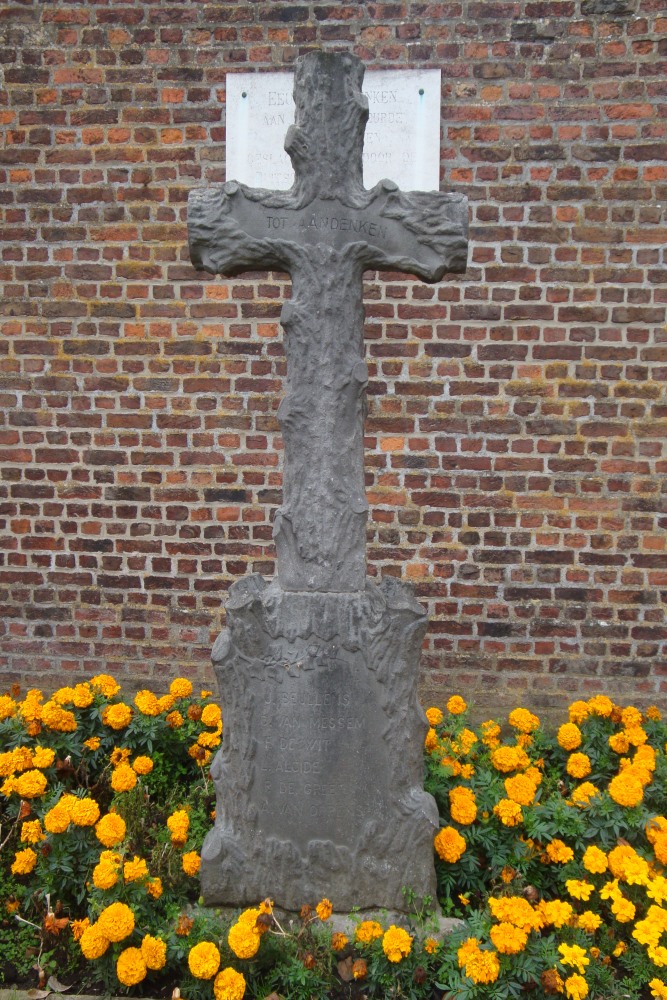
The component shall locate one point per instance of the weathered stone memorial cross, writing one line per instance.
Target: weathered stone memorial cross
(319, 783)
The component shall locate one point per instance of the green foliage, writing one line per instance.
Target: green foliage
(519, 814)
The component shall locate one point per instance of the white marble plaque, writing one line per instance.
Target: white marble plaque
(402, 140)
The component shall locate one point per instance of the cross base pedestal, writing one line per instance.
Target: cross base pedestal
(319, 783)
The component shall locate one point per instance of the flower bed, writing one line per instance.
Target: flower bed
(553, 847)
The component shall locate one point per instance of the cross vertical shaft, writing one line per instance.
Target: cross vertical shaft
(325, 232)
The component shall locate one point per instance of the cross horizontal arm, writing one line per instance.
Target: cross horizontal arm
(235, 228)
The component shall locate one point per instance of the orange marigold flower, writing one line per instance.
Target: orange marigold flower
(626, 790)
(180, 687)
(449, 844)
(456, 705)
(578, 765)
(462, 805)
(117, 716)
(558, 852)
(569, 736)
(147, 703)
(324, 909)
(523, 720)
(338, 941)
(396, 943)
(434, 716)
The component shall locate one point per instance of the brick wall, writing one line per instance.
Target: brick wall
(517, 416)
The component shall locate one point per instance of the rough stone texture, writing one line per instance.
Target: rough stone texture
(320, 780)
(325, 232)
(517, 417)
(319, 785)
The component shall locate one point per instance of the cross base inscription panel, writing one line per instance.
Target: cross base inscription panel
(319, 783)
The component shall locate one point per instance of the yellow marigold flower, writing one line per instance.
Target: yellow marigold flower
(508, 812)
(178, 824)
(338, 941)
(43, 757)
(211, 716)
(78, 927)
(466, 741)
(190, 863)
(166, 702)
(449, 844)
(105, 873)
(636, 736)
(243, 940)
(153, 952)
(456, 705)
(521, 789)
(660, 847)
(24, 862)
(85, 812)
(482, 967)
(589, 921)
(31, 832)
(111, 829)
(523, 720)
(558, 852)
(619, 742)
(600, 704)
(396, 943)
(324, 909)
(582, 794)
(367, 931)
(645, 757)
(8, 786)
(210, 740)
(434, 716)
(105, 684)
(626, 790)
(21, 758)
(116, 922)
(123, 778)
(64, 695)
(431, 946)
(93, 943)
(135, 869)
(147, 703)
(59, 719)
(93, 743)
(82, 696)
(508, 939)
(578, 712)
(610, 890)
(490, 734)
(515, 910)
(8, 707)
(175, 720)
(578, 765)
(594, 860)
(569, 736)
(576, 987)
(658, 989)
(556, 912)
(574, 955)
(620, 949)
(117, 716)
(229, 985)
(30, 785)
(631, 716)
(130, 967)
(467, 771)
(653, 713)
(431, 740)
(579, 889)
(154, 887)
(119, 755)
(623, 909)
(142, 765)
(57, 819)
(204, 960)
(462, 805)
(180, 688)
(507, 759)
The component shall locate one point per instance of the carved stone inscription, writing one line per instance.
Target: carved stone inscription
(323, 732)
(402, 139)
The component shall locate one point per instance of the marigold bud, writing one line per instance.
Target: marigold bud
(309, 961)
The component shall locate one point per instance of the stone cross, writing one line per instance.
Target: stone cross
(319, 782)
(326, 231)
